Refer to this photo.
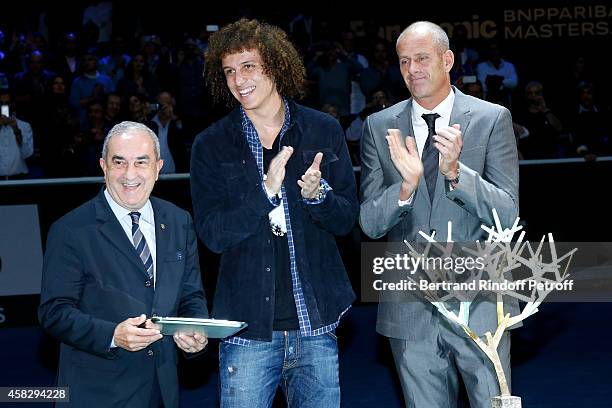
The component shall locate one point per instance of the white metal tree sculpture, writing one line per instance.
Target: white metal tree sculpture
(502, 257)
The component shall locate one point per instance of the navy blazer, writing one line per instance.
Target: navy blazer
(93, 279)
(231, 215)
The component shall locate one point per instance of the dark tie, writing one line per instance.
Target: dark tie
(140, 243)
(430, 155)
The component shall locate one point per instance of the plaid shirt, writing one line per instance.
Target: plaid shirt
(298, 295)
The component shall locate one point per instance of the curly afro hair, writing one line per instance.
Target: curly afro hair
(281, 61)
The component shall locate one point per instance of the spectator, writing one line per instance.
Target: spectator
(382, 73)
(475, 89)
(138, 109)
(497, 76)
(30, 89)
(55, 137)
(93, 133)
(114, 63)
(90, 85)
(66, 62)
(16, 60)
(151, 53)
(138, 79)
(378, 101)
(191, 101)
(112, 109)
(174, 146)
(466, 58)
(358, 99)
(331, 110)
(332, 70)
(545, 129)
(590, 125)
(16, 143)
(300, 30)
(160, 61)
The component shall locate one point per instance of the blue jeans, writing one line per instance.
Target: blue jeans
(305, 367)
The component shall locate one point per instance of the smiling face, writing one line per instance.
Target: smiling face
(131, 169)
(246, 80)
(425, 68)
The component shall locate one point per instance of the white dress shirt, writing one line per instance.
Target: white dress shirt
(147, 227)
(419, 126)
(146, 223)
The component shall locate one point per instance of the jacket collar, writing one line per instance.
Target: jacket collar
(234, 119)
(460, 114)
(112, 230)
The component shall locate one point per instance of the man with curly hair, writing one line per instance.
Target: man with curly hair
(272, 183)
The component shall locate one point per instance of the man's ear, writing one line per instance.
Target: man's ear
(159, 164)
(449, 59)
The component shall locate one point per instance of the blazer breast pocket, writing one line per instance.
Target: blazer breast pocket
(328, 157)
(174, 256)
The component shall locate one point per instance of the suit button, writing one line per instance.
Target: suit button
(244, 162)
(267, 298)
(268, 269)
(150, 353)
(148, 284)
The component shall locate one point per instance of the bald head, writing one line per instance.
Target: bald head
(426, 28)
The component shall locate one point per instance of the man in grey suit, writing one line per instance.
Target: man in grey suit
(417, 178)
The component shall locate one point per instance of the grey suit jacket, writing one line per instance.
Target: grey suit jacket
(488, 179)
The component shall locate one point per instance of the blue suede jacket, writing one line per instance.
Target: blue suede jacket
(231, 216)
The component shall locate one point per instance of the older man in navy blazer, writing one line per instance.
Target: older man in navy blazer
(108, 265)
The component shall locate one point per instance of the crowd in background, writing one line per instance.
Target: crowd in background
(64, 94)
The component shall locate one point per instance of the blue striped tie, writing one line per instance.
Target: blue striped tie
(430, 155)
(140, 243)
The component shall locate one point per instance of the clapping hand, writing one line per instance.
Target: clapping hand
(405, 158)
(276, 170)
(449, 142)
(312, 178)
